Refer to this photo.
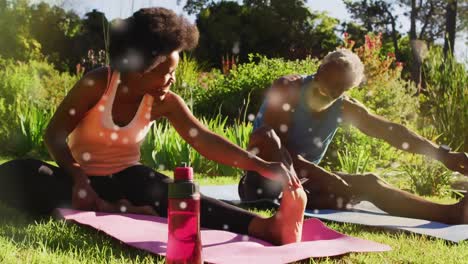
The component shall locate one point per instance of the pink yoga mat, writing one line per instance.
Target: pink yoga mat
(150, 233)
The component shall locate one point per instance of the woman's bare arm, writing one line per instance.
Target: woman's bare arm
(84, 95)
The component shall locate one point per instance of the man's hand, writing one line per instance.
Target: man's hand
(84, 197)
(456, 161)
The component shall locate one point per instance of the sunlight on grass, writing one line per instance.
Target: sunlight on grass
(50, 241)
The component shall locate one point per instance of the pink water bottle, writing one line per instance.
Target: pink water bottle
(184, 240)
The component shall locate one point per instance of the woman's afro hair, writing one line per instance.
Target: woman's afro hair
(137, 41)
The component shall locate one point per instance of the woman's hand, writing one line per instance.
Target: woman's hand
(84, 197)
(278, 171)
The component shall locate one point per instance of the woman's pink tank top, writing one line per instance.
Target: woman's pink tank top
(103, 148)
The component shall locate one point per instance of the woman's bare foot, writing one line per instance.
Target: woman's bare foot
(286, 225)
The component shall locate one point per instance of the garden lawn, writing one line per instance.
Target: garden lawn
(50, 241)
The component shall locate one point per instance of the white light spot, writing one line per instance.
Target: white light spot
(310, 129)
(118, 24)
(125, 61)
(124, 89)
(45, 170)
(278, 214)
(193, 132)
(251, 117)
(148, 116)
(339, 202)
(390, 128)
(405, 145)
(210, 209)
(286, 107)
(348, 206)
(316, 211)
(156, 203)
(86, 156)
(183, 205)
(276, 201)
(236, 48)
(72, 111)
(161, 167)
(123, 209)
(259, 191)
(125, 140)
(225, 227)
(89, 82)
(152, 174)
(303, 173)
(253, 152)
(104, 97)
(101, 108)
(259, 115)
(318, 142)
(82, 193)
(339, 120)
(116, 127)
(114, 136)
(283, 128)
(245, 238)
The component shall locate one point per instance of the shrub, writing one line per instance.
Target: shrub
(426, 176)
(29, 94)
(444, 104)
(163, 148)
(248, 80)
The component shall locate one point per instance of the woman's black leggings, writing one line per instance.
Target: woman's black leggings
(37, 188)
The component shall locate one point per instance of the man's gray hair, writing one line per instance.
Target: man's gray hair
(351, 62)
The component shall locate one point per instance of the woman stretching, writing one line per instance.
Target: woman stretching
(105, 118)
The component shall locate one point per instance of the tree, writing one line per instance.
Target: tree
(56, 30)
(16, 41)
(275, 28)
(195, 6)
(450, 27)
(375, 16)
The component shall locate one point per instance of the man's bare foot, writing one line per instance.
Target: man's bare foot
(286, 225)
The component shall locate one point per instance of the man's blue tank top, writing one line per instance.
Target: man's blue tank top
(308, 135)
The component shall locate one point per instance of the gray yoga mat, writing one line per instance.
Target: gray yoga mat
(364, 213)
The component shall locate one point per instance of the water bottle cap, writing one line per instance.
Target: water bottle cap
(183, 173)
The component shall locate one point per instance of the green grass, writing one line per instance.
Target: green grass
(51, 241)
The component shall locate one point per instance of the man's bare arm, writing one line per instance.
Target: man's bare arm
(395, 134)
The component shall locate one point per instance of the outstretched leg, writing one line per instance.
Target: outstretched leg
(370, 187)
(327, 190)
